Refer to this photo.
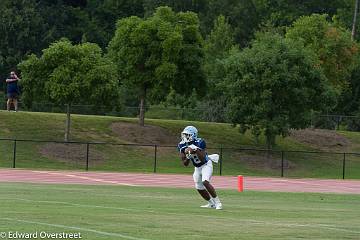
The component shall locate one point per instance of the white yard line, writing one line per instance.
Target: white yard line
(78, 205)
(75, 228)
(248, 221)
(87, 178)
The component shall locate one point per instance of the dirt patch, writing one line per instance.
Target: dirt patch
(148, 134)
(6, 130)
(321, 139)
(71, 153)
(262, 160)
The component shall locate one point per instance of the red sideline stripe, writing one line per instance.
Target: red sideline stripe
(178, 180)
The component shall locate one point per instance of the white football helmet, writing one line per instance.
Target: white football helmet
(189, 134)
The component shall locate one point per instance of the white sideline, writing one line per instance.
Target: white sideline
(78, 205)
(75, 228)
(87, 178)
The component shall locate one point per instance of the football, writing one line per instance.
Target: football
(190, 150)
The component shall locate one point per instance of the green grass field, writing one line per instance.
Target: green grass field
(50, 126)
(113, 212)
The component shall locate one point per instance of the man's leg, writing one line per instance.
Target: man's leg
(15, 102)
(206, 176)
(210, 188)
(205, 195)
(212, 193)
(8, 103)
(201, 189)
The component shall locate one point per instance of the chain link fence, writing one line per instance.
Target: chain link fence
(16, 153)
(336, 122)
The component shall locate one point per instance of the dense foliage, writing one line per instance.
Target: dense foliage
(159, 53)
(273, 86)
(172, 53)
(70, 74)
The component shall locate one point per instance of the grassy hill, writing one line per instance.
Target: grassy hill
(165, 134)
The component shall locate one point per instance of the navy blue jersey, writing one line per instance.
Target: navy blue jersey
(200, 143)
(12, 87)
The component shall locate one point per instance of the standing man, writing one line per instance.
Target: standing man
(193, 149)
(12, 91)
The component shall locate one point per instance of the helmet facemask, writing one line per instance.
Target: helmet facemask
(189, 134)
(186, 137)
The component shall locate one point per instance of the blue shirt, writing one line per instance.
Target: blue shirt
(201, 144)
(12, 87)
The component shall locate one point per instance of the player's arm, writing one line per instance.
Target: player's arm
(184, 159)
(201, 153)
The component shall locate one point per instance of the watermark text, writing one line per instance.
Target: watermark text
(39, 235)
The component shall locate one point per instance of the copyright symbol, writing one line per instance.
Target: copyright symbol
(2, 234)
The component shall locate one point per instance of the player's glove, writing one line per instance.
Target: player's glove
(190, 150)
(193, 147)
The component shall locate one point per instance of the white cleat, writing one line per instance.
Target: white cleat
(209, 205)
(218, 206)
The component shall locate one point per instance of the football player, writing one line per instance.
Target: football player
(193, 149)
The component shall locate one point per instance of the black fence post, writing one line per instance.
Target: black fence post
(87, 156)
(343, 171)
(221, 160)
(14, 157)
(155, 157)
(282, 163)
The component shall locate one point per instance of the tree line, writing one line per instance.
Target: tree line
(264, 65)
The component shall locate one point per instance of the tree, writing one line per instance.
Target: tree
(349, 100)
(356, 10)
(196, 6)
(29, 26)
(219, 41)
(69, 74)
(105, 13)
(65, 19)
(156, 54)
(284, 12)
(347, 17)
(332, 45)
(241, 14)
(20, 26)
(273, 86)
(217, 47)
